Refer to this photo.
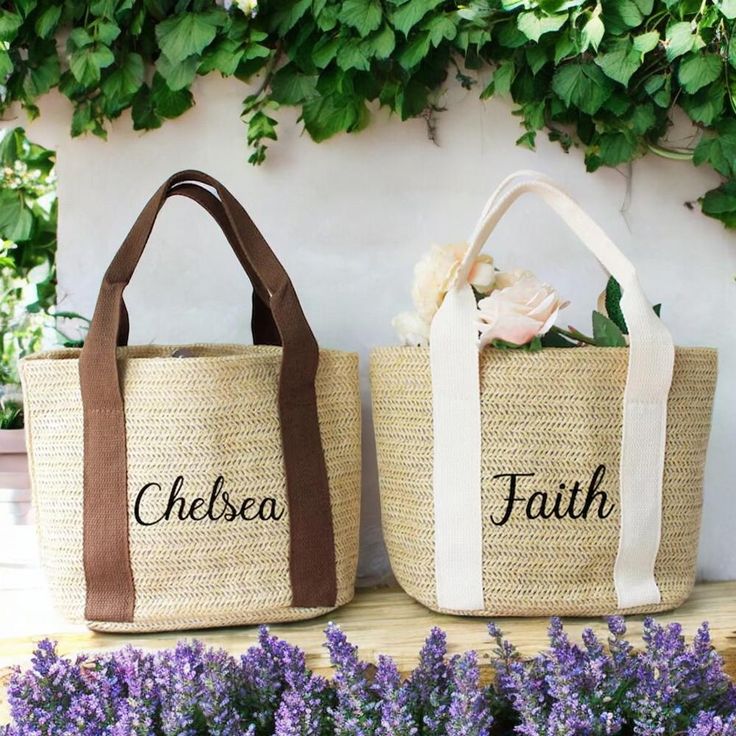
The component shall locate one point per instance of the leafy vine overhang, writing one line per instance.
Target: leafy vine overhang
(605, 75)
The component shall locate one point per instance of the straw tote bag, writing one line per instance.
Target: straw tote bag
(459, 434)
(206, 485)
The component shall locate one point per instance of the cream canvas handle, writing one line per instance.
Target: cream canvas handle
(456, 409)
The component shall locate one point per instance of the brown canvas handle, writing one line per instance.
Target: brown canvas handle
(108, 572)
(263, 327)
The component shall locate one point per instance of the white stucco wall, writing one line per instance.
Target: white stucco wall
(349, 218)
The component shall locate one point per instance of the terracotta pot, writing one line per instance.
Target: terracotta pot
(15, 485)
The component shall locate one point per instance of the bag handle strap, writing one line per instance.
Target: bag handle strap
(263, 327)
(108, 572)
(651, 361)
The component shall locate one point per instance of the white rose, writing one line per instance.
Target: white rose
(411, 329)
(520, 308)
(433, 273)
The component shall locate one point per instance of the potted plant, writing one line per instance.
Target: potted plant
(28, 216)
(15, 501)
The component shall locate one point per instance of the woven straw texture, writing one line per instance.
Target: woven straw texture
(199, 417)
(556, 413)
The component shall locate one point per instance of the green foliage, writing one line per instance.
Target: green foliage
(11, 414)
(604, 75)
(606, 332)
(27, 247)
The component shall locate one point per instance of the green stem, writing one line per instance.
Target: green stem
(675, 154)
(573, 335)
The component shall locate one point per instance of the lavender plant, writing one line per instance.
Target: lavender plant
(665, 688)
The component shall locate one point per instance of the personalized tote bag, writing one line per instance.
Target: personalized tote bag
(203, 485)
(466, 439)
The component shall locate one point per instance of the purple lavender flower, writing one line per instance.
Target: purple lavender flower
(178, 675)
(469, 714)
(137, 703)
(430, 686)
(710, 724)
(355, 711)
(306, 700)
(668, 687)
(56, 696)
(394, 716)
(262, 672)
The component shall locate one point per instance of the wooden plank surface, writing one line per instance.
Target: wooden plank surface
(379, 621)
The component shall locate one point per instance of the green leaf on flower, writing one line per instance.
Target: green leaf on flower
(583, 85)
(533, 346)
(554, 339)
(613, 305)
(606, 333)
(698, 70)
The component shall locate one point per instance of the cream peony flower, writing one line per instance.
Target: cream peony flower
(433, 273)
(411, 329)
(520, 308)
(249, 7)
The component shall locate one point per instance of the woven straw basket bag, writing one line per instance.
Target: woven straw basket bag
(460, 434)
(206, 485)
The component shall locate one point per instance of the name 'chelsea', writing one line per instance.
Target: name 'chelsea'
(218, 506)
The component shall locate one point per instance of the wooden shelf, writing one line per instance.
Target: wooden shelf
(379, 621)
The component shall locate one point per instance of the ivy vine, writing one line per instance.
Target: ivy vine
(605, 75)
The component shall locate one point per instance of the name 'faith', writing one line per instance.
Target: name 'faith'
(572, 503)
